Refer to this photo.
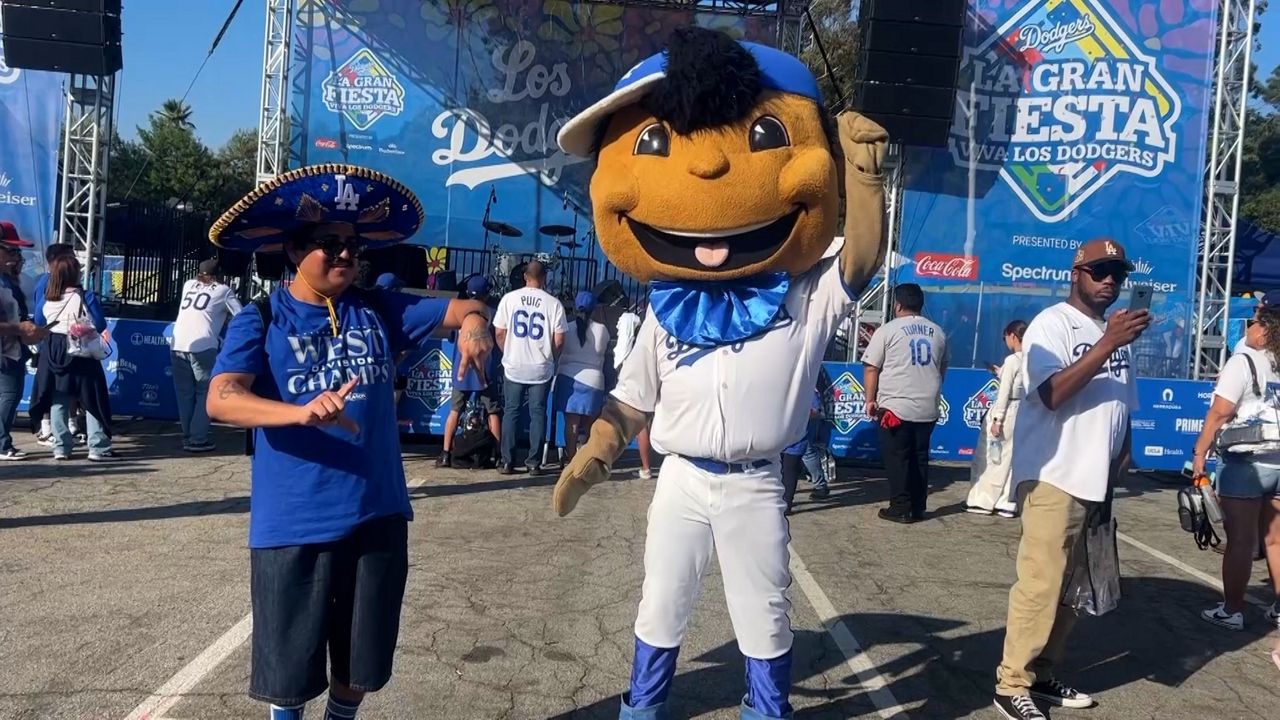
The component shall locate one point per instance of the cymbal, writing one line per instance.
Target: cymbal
(556, 230)
(502, 228)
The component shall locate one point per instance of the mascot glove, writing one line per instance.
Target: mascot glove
(863, 144)
(579, 475)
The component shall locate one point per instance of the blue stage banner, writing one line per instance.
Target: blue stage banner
(31, 110)
(461, 101)
(1164, 428)
(1074, 119)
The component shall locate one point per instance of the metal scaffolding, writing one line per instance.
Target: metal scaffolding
(273, 123)
(86, 141)
(1222, 186)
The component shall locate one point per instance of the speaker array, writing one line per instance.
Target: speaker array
(910, 59)
(69, 36)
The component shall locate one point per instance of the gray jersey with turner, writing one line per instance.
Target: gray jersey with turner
(911, 353)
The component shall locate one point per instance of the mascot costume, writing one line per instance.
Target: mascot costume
(718, 180)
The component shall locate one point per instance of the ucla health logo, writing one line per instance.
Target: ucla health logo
(979, 402)
(1060, 100)
(363, 90)
(8, 75)
(845, 403)
(430, 382)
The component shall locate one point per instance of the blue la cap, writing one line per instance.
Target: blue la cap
(478, 285)
(1270, 299)
(778, 71)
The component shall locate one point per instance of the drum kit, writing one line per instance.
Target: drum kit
(508, 268)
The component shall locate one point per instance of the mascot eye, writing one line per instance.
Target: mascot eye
(768, 134)
(653, 140)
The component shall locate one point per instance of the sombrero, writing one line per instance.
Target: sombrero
(383, 211)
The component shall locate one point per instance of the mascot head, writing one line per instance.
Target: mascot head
(714, 163)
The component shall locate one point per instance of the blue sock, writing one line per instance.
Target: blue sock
(340, 709)
(287, 713)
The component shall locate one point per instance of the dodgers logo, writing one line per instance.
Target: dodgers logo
(363, 90)
(845, 403)
(979, 402)
(430, 382)
(1060, 100)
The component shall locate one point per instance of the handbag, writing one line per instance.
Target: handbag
(1094, 584)
(84, 340)
(1250, 436)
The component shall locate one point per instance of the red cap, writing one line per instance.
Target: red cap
(9, 236)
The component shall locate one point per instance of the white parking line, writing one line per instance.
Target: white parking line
(173, 691)
(1201, 576)
(854, 656)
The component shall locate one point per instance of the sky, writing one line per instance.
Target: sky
(166, 40)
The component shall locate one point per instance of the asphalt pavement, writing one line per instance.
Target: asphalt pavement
(124, 594)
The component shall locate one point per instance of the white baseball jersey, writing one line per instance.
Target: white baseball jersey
(204, 311)
(531, 317)
(745, 401)
(1072, 447)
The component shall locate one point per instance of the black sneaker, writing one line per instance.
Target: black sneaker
(821, 493)
(13, 454)
(1018, 707)
(1052, 691)
(891, 516)
(534, 470)
(508, 469)
(445, 460)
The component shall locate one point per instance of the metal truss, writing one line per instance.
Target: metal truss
(791, 8)
(273, 123)
(1222, 186)
(86, 139)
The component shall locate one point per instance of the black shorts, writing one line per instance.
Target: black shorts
(343, 596)
(488, 399)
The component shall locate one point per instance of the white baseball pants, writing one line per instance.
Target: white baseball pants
(741, 517)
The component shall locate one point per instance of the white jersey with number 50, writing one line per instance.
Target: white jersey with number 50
(205, 309)
(531, 318)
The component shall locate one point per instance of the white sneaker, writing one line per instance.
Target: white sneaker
(44, 440)
(646, 474)
(976, 510)
(1220, 617)
(13, 454)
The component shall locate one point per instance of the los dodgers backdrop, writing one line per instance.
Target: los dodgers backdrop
(461, 101)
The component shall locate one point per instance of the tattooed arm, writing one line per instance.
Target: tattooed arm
(231, 401)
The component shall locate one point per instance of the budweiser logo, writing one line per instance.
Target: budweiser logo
(951, 267)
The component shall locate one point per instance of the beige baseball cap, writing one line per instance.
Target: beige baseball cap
(1101, 250)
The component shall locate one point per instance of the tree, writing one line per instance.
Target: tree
(238, 164)
(176, 112)
(831, 51)
(1260, 169)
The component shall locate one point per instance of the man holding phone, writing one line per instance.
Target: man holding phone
(1072, 440)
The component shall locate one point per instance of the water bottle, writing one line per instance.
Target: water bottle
(994, 447)
(1212, 508)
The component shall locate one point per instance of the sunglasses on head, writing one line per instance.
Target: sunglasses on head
(1101, 272)
(333, 246)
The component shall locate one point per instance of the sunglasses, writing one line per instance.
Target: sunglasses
(1101, 272)
(333, 246)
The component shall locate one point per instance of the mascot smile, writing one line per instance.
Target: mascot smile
(718, 180)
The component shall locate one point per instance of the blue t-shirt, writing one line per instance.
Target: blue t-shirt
(802, 444)
(470, 382)
(315, 485)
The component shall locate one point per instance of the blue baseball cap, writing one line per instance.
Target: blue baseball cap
(1270, 299)
(389, 281)
(778, 71)
(585, 301)
(478, 285)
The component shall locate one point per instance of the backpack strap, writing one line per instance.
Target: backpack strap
(1253, 376)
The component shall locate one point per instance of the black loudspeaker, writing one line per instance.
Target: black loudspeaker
(73, 36)
(910, 60)
(233, 263)
(408, 262)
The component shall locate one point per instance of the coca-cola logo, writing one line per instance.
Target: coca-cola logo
(951, 267)
(326, 143)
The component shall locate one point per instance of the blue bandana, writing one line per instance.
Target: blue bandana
(710, 314)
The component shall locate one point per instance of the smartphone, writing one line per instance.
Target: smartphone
(1140, 298)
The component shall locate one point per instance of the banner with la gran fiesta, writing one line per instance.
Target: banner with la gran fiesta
(1073, 119)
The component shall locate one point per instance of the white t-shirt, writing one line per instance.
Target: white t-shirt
(204, 310)
(1071, 448)
(745, 401)
(531, 317)
(1236, 384)
(585, 363)
(64, 311)
(628, 326)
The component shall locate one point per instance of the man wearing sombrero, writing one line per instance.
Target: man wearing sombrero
(312, 372)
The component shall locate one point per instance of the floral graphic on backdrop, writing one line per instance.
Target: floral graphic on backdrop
(447, 18)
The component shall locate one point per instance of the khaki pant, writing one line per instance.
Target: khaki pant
(1038, 625)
